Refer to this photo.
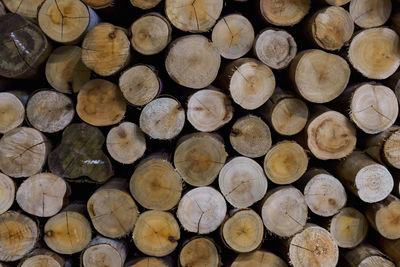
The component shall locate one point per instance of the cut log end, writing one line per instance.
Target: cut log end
(7, 192)
(258, 258)
(12, 112)
(199, 252)
(366, 255)
(387, 218)
(98, 4)
(370, 13)
(145, 4)
(284, 13)
(391, 150)
(24, 8)
(43, 258)
(104, 252)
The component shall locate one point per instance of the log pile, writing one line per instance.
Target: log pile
(199, 133)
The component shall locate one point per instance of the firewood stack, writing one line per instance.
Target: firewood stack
(199, 133)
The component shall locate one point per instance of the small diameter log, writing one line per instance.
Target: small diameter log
(23, 49)
(7, 192)
(334, 2)
(250, 136)
(258, 258)
(318, 76)
(286, 113)
(284, 211)
(145, 4)
(349, 227)
(140, 84)
(200, 251)
(209, 110)
(249, 81)
(314, 246)
(370, 13)
(283, 12)
(42, 258)
(112, 210)
(192, 60)
(104, 252)
(150, 261)
(330, 28)
(233, 36)
(375, 53)
(275, 48)
(150, 34)
(23, 152)
(12, 112)
(65, 70)
(156, 233)
(49, 111)
(364, 177)
(100, 103)
(28, 9)
(366, 255)
(197, 16)
(106, 49)
(163, 118)
(98, 4)
(19, 234)
(390, 247)
(43, 194)
(155, 184)
(201, 210)
(69, 231)
(243, 231)
(242, 182)
(285, 162)
(126, 143)
(199, 157)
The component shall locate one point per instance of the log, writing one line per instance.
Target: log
(233, 36)
(201, 210)
(24, 47)
(43, 258)
(275, 48)
(49, 111)
(145, 4)
(242, 182)
(126, 143)
(286, 113)
(284, 211)
(7, 192)
(28, 9)
(156, 233)
(250, 82)
(283, 12)
(199, 251)
(258, 258)
(374, 53)
(199, 157)
(243, 231)
(189, 16)
(149, 261)
(104, 252)
(65, 70)
(106, 49)
(370, 13)
(99, 4)
(2, 12)
(319, 76)
(209, 110)
(163, 118)
(389, 247)
(155, 184)
(100, 103)
(192, 60)
(335, 2)
(364, 177)
(349, 227)
(250, 136)
(23, 152)
(12, 112)
(150, 34)
(69, 231)
(112, 210)
(19, 234)
(140, 84)
(366, 255)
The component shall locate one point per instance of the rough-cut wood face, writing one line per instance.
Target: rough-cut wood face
(284, 12)
(26, 8)
(199, 251)
(370, 13)
(258, 258)
(7, 192)
(12, 112)
(145, 4)
(98, 3)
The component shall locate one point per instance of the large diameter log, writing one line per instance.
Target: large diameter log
(23, 152)
(364, 177)
(199, 157)
(19, 234)
(390, 247)
(42, 258)
(233, 36)
(201, 210)
(65, 70)
(370, 13)
(197, 16)
(242, 182)
(319, 76)
(104, 252)
(284, 12)
(275, 48)
(156, 233)
(284, 211)
(145, 4)
(106, 49)
(258, 258)
(192, 60)
(199, 251)
(12, 112)
(7, 192)
(365, 255)
(250, 82)
(112, 210)
(28, 9)
(23, 49)
(375, 53)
